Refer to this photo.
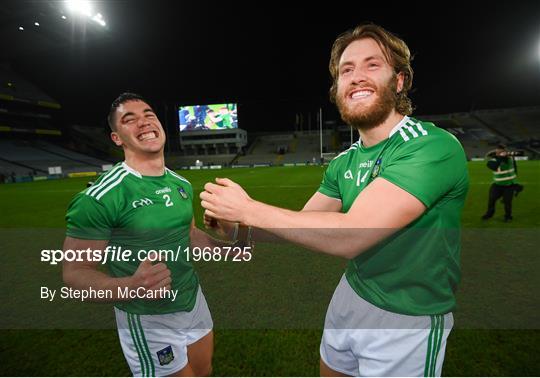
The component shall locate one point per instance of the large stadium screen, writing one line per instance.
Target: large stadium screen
(207, 117)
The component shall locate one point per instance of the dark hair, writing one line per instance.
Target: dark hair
(395, 50)
(501, 146)
(123, 98)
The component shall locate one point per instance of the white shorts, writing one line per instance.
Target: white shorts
(156, 345)
(360, 339)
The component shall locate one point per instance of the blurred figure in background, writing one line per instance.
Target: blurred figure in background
(505, 185)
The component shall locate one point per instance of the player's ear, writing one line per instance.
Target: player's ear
(400, 77)
(116, 138)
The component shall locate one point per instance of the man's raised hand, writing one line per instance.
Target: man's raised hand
(225, 200)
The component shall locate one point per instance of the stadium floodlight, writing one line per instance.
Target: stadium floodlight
(99, 19)
(21, 28)
(36, 23)
(84, 8)
(63, 17)
(80, 6)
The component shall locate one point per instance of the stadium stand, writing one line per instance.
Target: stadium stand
(94, 141)
(267, 148)
(514, 124)
(9, 170)
(280, 148)
(37, 156)
(16, 88)
(35, 142)
(178, 162)
(479, 131)
(306, 148)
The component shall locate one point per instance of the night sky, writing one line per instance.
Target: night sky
(272, 58)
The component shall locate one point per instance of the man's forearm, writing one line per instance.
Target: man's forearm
(201, 240)
(327, 232)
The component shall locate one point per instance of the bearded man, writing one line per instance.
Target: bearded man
(391, 204)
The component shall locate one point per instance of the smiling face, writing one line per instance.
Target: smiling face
(366, 85)
(137, 128)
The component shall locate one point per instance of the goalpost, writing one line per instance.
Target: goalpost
(326, 157)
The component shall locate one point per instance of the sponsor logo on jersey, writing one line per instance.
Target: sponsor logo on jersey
(366, 164)
(164, 190)
(165, 355)
(142, 202)
(182, 193)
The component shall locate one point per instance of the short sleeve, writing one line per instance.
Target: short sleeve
(329, 185)
(87, 218)
(428, 167)
(189, 189)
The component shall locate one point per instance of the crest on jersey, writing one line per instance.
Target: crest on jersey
(165, 356)
(182, 192)
(376, 168)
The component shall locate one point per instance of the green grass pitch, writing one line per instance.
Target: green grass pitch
(268, 313)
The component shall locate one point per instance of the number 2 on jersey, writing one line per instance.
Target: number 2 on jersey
(168, 201)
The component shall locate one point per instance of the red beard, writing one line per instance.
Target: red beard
(374, 115)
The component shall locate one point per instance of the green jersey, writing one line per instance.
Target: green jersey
(416, 270)
(140, 213)
(505, 174)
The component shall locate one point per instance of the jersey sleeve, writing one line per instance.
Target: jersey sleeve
(329, 185)
(190, 190)
(87, 218)
(427, 167)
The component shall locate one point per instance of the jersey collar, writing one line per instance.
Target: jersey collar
(137, 173)
(131, 170)
(398, 126)
(394, 130)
